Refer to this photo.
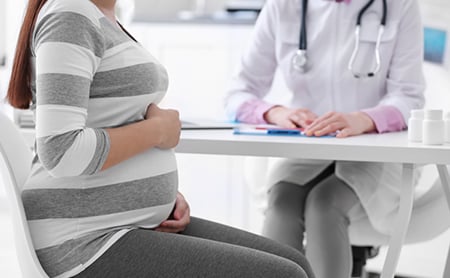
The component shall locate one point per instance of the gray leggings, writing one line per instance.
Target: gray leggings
(322, 210)
(204, 249)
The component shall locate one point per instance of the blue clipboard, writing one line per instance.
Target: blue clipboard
(274, 131)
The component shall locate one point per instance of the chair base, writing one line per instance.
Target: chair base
(360, 256)
(378, 275)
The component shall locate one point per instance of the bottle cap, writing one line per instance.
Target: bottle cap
(433, 114)
(417, 114)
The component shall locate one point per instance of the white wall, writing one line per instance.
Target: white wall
(11, 12)
(164, 6)
(2, 30)
(156, 9)
(435, 15)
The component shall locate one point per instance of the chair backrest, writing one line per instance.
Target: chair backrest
(430, 217)
(15, 165)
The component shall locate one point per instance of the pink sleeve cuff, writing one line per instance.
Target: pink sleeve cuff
(386, 118)
(252, 111)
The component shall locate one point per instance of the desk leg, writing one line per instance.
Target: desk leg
(401, 226)
(445, 181)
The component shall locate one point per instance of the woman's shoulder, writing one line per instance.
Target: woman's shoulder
(70, 21)
(83, 8)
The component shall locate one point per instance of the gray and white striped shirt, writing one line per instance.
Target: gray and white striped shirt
(90, 75)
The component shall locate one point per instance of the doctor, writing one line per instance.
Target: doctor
(351, 67)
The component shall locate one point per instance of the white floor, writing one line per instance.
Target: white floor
(424, 260)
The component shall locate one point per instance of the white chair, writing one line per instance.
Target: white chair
(430, 217)
(15, 164)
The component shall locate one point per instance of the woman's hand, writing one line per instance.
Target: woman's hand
(180, 218)
(169, 123)
(289, 118)
(345, 124)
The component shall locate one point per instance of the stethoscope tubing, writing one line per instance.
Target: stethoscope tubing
(303, 43)
(377, 66)
(302, 48)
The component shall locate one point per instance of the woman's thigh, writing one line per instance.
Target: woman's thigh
(205, 249)
(217, 232)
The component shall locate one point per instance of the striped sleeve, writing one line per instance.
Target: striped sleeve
(68, 48)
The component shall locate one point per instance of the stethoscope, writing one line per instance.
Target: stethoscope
(300, 59)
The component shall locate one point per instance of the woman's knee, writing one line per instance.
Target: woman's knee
(287, 197)
(330, 197)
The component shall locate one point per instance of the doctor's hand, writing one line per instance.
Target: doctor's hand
(288, 117)
(179, 219)
(345, 124)
(168, 125)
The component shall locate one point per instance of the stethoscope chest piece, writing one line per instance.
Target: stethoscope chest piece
(300, 61)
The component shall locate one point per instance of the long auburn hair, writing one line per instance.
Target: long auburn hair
(19, 89)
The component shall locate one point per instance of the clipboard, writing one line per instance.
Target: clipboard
(274, 131)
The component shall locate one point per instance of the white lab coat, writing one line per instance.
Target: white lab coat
(330, 86)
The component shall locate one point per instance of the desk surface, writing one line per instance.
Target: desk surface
(388, 147)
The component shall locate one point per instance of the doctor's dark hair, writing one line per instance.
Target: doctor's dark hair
(19, 90)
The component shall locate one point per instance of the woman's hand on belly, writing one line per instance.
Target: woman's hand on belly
(179, 219)
(169, 125)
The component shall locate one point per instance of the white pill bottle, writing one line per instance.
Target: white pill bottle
(433, 127)
(415, 125)
(447, 127)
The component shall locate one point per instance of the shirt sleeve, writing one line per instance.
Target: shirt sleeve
(252, 111)
(67, 47)
(386, 118)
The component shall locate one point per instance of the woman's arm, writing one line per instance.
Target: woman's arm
(160, 129)
(65, 67)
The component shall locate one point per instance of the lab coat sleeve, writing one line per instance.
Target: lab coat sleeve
(405, 83)
(257, 67)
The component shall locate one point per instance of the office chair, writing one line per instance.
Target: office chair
(430, 217)
(360, 255)
(15, 164)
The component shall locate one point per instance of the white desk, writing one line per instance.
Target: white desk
(389, 147)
